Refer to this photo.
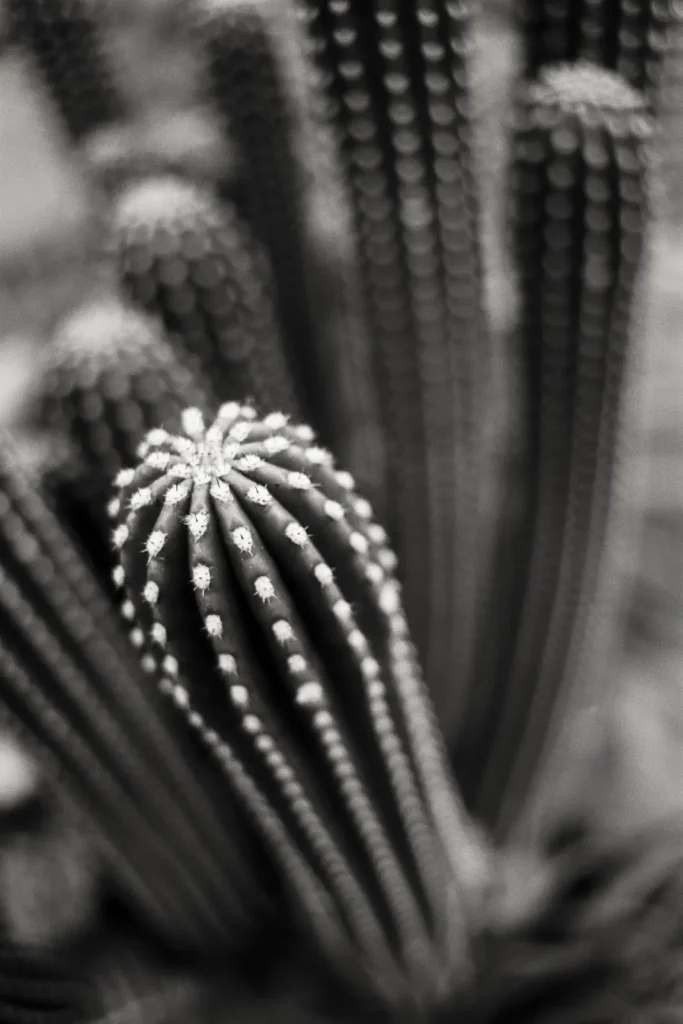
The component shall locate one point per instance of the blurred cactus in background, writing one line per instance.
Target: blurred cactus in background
(284, 371)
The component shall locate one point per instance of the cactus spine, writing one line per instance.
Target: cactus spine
(580, 206)
(65, 39)
(189, 259)
(288, 653)
(69, 677)
(396, 75)
(631, 37)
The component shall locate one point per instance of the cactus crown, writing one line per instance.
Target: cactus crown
(269, 601)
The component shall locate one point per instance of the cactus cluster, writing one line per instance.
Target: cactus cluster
(257, 748)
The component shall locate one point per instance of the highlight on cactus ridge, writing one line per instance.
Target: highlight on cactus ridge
(71, 684)
(397, 82)
(65, 40)
(579, 181)
(191, 261)
(287, 652)
(631, 37)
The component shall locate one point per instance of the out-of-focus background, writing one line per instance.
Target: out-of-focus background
(46, 204)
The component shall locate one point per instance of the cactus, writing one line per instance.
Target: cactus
(288, 653)
(65, 39)
(70, 680)
(253, 78)
(109, 376)
(631, 37)
(40, 987)
(396, 76)
(580, 204)
(190, 260)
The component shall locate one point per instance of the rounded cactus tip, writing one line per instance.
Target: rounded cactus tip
(161, 199)
(583, 87)
(101, 332)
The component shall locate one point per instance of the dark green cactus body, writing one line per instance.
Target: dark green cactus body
(40, 987)
(396, 76)
(64, 37)
(287, 651)
(109, 377)
(255, 77)
(579, 212)
(631, 37)
(191, 261)
(70, 679)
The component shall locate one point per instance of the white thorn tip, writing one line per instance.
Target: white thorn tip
(201, 577)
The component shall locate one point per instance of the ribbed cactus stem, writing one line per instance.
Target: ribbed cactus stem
(65, 39)
(579, 186)
(190, 260)
(40, 987)
(70, 677)
(631, 37)
(110, 376)
(288, 652)
(253, 77)
(397, 79)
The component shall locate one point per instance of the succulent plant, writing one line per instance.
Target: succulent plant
(631, 37)
(190, 260)
(288, 653)
(396, 77)
(65, 39)
(579, 180)
(70, 680)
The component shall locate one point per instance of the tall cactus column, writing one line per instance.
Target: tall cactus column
(292, 661)
(579, 187)
(397, 76)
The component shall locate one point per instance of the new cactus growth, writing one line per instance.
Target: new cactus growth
(109, 376)
(631, 37)
(70, 679)
(396, 75)
(65, 39)
(286, 649)
(579, 184)
(190, 260)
